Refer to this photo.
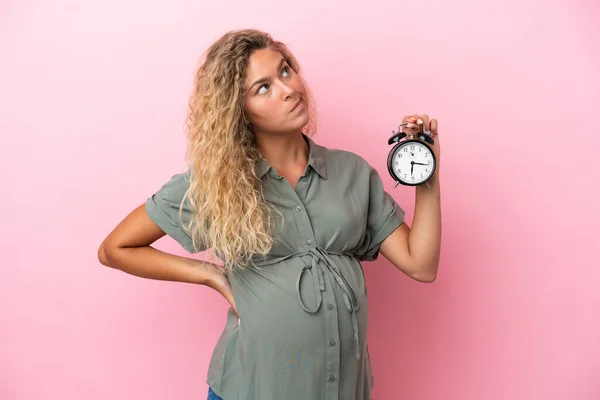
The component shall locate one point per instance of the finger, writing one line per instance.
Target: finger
(425, 122)
(414, 121)
(408, 118)
(411, 118)
(434, 127)
(412, 125)
(403, 126)
(229, 297)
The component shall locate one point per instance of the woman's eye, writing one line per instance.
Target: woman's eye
(263, 86)
(285, 70)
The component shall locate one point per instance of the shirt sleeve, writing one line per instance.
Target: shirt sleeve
(163, 208)
(383, 217)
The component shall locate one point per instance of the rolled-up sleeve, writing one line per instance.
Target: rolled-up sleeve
(163, 208)
(384, 216)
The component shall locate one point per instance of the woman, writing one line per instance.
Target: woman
(290, 219)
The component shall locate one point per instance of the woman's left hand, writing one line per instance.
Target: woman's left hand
(422, 123)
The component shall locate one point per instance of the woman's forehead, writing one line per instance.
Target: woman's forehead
(262, 63)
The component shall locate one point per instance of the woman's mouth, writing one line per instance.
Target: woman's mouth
(298, 106)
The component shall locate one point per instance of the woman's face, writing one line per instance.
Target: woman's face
(275, 98)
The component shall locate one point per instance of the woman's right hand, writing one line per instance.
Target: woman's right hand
(219, 282)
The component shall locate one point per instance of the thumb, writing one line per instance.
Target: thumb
(229, 297)
(235, 309)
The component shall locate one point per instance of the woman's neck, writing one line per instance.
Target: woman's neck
(287, 152)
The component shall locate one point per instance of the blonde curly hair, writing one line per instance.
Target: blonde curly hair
(230, 215)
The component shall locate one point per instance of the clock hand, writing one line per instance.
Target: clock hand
(420, 163)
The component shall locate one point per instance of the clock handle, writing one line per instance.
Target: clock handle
(397, 136)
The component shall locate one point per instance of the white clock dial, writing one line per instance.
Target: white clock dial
(413, 162)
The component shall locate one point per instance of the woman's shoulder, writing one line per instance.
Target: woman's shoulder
(176, 186)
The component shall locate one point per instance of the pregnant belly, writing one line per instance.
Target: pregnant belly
(276, 321)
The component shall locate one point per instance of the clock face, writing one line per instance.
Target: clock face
(413, 162)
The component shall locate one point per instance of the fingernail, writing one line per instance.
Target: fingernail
(420, 121)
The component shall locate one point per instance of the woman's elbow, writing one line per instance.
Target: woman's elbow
(102, 256)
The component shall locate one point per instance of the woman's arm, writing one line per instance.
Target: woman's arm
(416, 250)
(127, 248)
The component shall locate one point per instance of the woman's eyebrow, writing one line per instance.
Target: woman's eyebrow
(265, 79)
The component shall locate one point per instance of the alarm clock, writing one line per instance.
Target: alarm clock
(411, 162)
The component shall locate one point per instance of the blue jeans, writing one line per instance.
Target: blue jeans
(212, 395)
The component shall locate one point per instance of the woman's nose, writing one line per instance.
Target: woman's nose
(287, 90)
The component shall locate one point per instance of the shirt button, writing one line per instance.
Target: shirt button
(331, 378)
(332, 343)
(298, 208)
(330, 306)
(309, 242)
(304, 179)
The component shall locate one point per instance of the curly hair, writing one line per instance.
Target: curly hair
(230, 215)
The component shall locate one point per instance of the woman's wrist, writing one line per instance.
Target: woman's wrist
(206, 273)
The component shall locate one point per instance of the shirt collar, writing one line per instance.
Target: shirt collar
(316, 160)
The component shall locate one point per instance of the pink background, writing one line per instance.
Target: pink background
(93, 97)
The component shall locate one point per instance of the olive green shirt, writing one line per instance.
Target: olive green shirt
(303, 309)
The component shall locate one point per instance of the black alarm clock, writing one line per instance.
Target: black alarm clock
(411, 162)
